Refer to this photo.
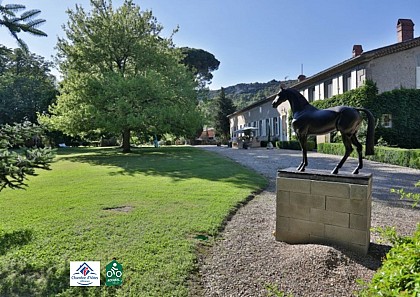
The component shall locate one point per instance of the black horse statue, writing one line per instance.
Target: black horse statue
(309, 120)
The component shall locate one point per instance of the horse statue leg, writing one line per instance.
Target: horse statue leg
(303, 141)
(359, 149)
(347, 144)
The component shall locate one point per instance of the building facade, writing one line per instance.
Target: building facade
(390, 67)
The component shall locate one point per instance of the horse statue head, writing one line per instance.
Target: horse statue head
(281, 96)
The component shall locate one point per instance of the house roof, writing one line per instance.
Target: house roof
(343, 66)
(358, 60)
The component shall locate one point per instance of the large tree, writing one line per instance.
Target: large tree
(26, 86)
(121, 76)
(224, 107)
(201, 63)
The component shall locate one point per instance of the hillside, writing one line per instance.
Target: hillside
(244, 94)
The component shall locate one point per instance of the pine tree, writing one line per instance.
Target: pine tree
(224, 107)
(15, 166)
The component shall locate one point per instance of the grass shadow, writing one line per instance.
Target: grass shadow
(48, 280)
(178, 163)
(14, 239)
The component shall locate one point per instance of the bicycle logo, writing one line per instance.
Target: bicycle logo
(114, 273)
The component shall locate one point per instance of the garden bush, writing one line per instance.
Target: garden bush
(390, 155)
(400, 272)
(294, 145)
(264, 143)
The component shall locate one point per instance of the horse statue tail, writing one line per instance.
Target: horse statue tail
(370, 137)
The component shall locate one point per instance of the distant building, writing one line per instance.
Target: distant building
(390, 67)
(207, 136)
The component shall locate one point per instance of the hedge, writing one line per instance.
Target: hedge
(294, 145)
(396, 156)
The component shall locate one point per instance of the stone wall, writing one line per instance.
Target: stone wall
(318, 207)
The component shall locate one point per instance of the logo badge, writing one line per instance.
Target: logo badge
(114, 272)
(85, 274)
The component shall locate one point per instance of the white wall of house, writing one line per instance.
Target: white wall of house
(396, 70)
(265, 118)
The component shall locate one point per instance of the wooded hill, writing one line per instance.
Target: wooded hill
(244, 94)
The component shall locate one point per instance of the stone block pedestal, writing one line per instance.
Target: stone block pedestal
(322, 208)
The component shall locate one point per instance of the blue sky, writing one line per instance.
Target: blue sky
(255, 41)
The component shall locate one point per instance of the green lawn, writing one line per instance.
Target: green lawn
(173, 197)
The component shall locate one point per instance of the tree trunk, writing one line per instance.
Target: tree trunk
(126, 141)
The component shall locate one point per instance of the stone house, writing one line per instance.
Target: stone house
(390, 67)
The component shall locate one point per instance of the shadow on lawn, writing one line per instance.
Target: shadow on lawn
(14, 239)
(178, 163)
(48, 280)
(27, 280)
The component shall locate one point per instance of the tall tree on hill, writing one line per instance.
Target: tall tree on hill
(224, 107)
(121, 76)
(201, 63)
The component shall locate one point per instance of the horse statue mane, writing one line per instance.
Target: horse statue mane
(309, 120)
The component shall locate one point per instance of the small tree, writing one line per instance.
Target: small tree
(16, 165)
(224, 107)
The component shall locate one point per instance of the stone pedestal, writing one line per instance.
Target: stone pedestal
(322, 208)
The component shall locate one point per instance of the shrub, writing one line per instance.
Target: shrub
(396, 156)
(400, 272)
(390, 155)
(264, 143)
(294, 145)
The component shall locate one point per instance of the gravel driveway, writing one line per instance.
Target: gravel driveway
(246, 260)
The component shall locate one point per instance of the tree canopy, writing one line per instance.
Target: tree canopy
(26, 86)
(121, 76)
(224, 107)
(201, 63)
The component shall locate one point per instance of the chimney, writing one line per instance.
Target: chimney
(357, 50)
(301, 78)
(405, 30)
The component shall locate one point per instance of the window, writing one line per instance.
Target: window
(346, 82)
(276, 126)
(418, 72)
(328, 88)
(386, 120)
(311, 94)
(360, 77)
(260, 128)
(418, 77)
(267, 127)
